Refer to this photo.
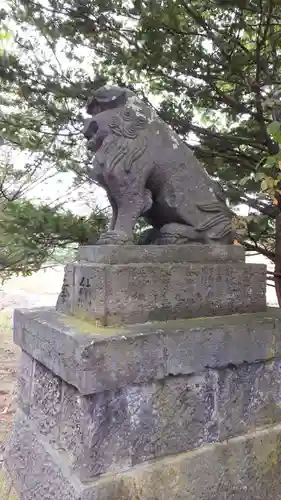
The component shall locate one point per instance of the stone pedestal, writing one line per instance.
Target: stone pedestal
(134, 284)
(162, 410)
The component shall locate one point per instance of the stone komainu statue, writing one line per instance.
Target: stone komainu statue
(148, 171)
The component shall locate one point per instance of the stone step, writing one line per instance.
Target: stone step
(94, 358)
(149, 391)
(247, 466)
(114, 285)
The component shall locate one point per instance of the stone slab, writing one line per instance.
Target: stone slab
(141, 292)
(128, 254)
(244, 467)
(116, 429)
(95, 359)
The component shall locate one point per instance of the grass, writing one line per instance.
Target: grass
(8, 373)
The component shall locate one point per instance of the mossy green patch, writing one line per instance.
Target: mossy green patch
(268, 453)
(91, 326)
(13, 495)
(7, 492)
(272, 347)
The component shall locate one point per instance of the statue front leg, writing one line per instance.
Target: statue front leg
(114, 213)
(131, 202)
(131, 208)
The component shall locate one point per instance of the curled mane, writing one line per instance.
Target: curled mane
(129, 140)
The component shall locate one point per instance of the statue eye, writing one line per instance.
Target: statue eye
(127, 115)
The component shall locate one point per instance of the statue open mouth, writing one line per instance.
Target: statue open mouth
(93, 134)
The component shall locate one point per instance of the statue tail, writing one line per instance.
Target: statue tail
(219, 220)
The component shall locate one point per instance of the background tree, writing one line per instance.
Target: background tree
(31, 155)
(211, 67)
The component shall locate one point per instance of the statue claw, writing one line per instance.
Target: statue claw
(114, 238)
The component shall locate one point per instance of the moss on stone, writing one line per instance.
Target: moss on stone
(13, 495)
(91, 326)
(272, 347)
(268, 454)
(7, 492)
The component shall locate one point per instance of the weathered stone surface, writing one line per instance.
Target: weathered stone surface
(128, 254)
(37, 471)
(46, 400)
(7, 491)
(66, 296)
(24, 382)
(126, 427)
(114, 285)
(40, 396)
(219, 342)
(147, 170)
(94, 359)
(5, 485)
(140, 292)
(71, 426)
(114, 430)
(244, 467)
(154, 400)
(248, 397)
(13, 495)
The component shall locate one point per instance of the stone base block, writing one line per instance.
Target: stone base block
(177, 410)
(160, 254)
(244, 467)
(130, 284)
(95, 359)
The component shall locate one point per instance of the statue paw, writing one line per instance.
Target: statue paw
(113, 238)
(177, 234)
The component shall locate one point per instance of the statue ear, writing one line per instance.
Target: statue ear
(98, 104)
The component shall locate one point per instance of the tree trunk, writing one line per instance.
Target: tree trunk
(277, 271)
